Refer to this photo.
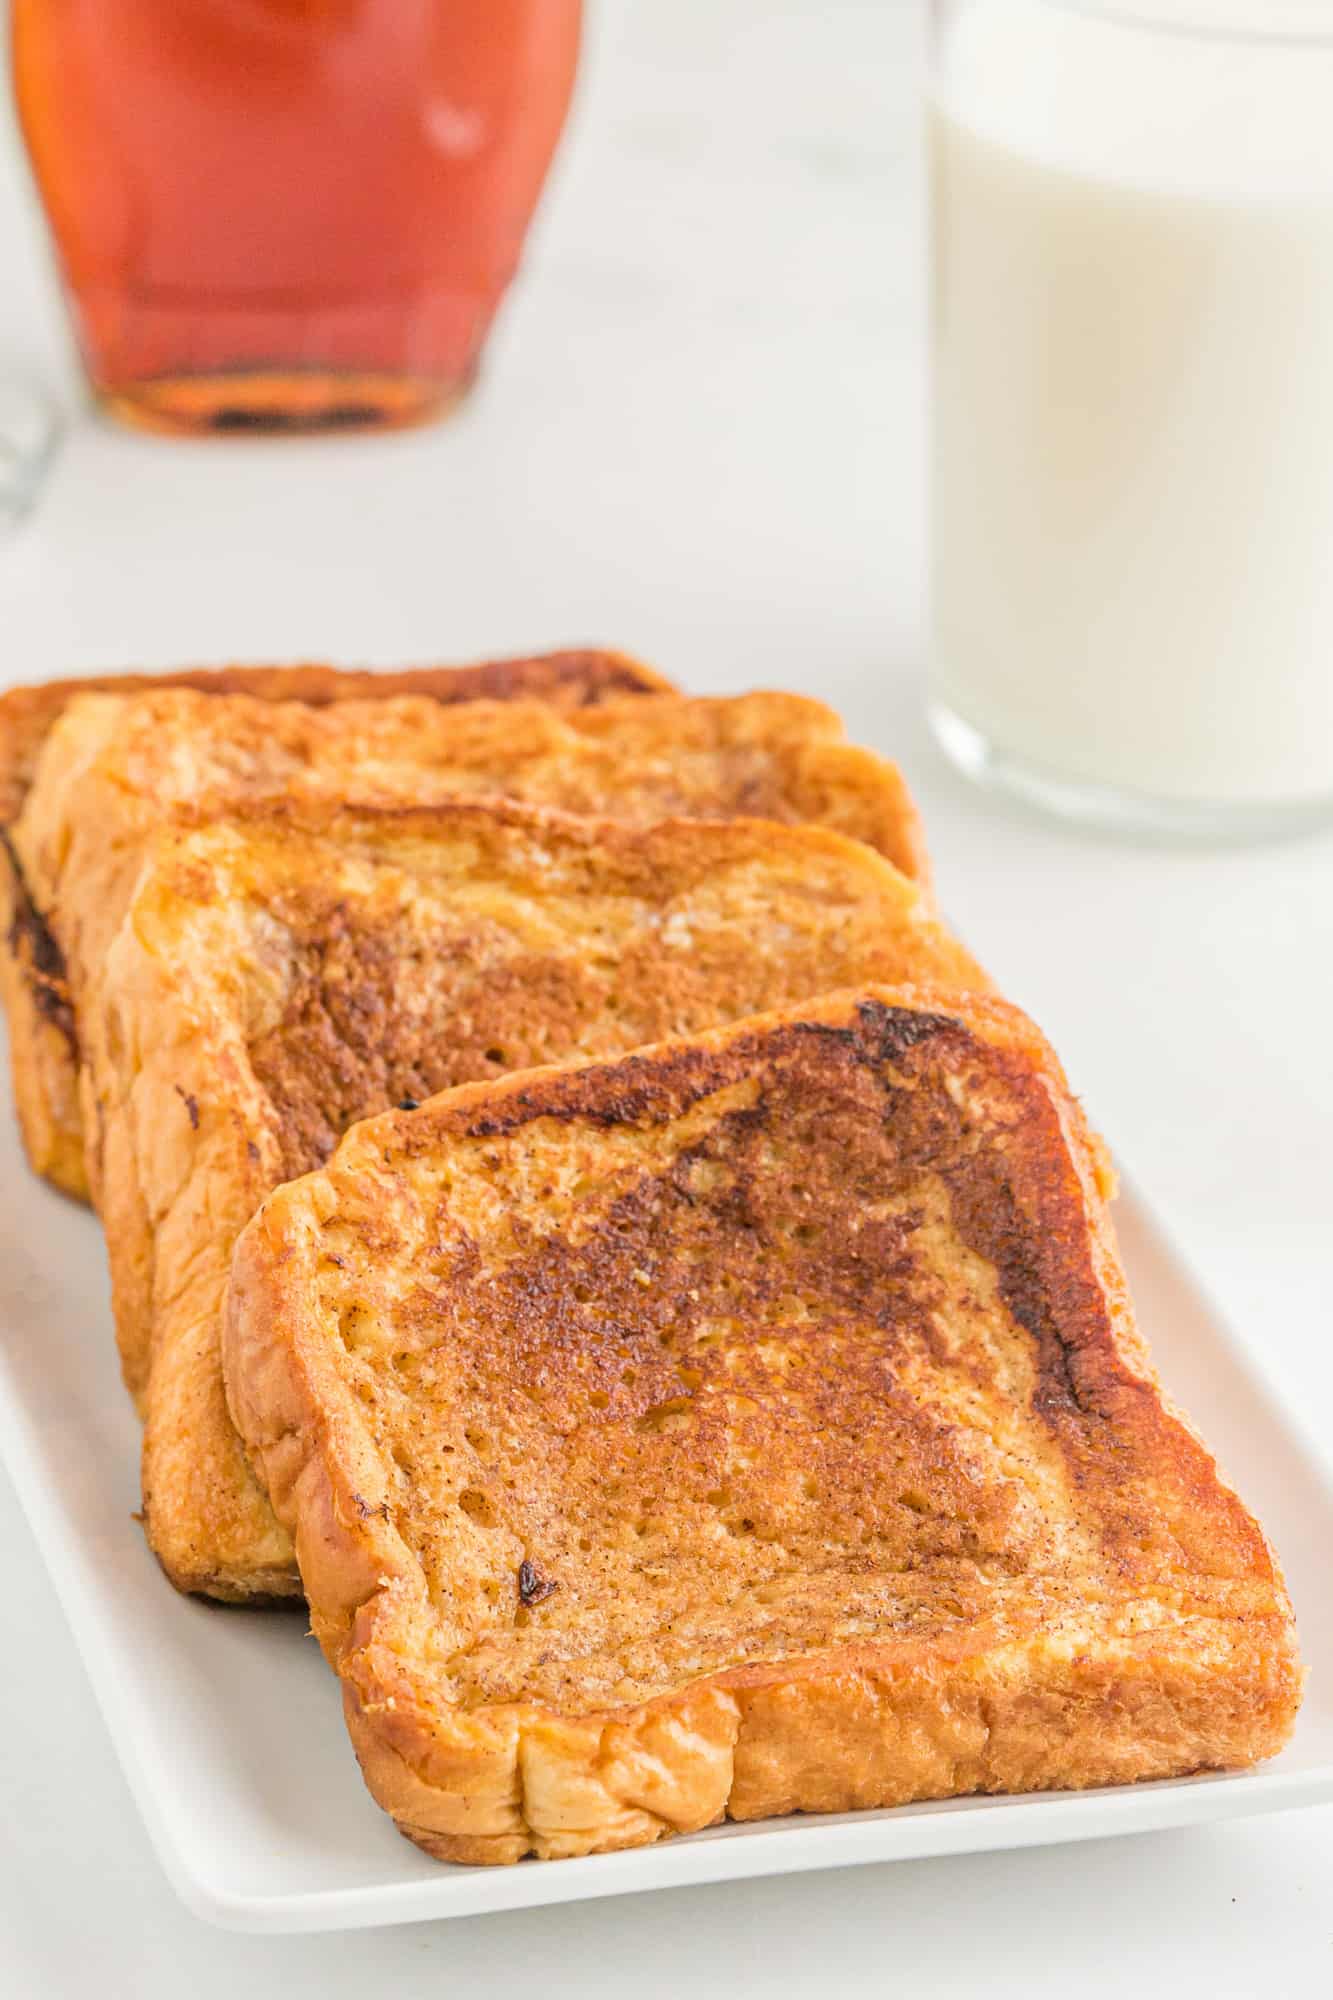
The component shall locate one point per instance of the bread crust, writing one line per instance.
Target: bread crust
(35, 997)
(577, 675)
(284, 972)
(1167, 1647)
(43, 1045)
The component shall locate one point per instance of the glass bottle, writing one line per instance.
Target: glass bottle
(289, 214)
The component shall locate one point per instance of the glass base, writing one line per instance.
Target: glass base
(280, 402)
(1133, 815)
(29, 433)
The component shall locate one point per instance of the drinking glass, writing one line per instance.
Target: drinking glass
(1132, 455)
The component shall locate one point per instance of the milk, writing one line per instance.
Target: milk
(1132, 572)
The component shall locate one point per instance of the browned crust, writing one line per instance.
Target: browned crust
(578, 675)
(1046, 1702)
(34, 994)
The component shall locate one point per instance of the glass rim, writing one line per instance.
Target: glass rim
(1240, 22)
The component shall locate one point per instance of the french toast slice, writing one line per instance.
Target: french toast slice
(114, 767)
(279, 976)
(33, 986)
(755, 1424)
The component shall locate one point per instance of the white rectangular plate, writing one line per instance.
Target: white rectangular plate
(229, 1725)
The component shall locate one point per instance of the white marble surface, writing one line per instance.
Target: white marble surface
(700, 437)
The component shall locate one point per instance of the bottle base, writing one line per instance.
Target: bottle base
(1109, 809)
(281, 402)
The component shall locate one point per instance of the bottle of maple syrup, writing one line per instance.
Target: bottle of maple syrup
(289, 215)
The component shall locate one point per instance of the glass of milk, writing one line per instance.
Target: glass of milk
(1132, 457)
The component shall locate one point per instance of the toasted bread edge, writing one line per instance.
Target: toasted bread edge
(43, 1061)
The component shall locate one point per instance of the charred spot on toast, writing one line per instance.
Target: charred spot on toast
(35, 950)
(533, 1587)
(892, 1031)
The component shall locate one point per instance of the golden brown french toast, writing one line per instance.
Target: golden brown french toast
(755, 1424)
(33, 986)
(114, 767)
(280, 976)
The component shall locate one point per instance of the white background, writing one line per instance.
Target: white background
(699, 436)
